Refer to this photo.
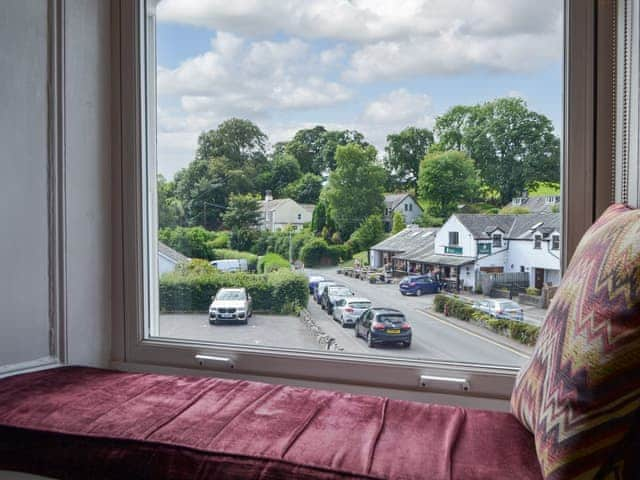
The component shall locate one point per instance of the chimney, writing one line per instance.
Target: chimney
(267, 196)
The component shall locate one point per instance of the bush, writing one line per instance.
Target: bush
(524, 333)
(277, 292)
(514, 210)
(225, 253)
(221, 241)
(313, 252)
(533, 291)
(455, 307)
(193, 242)
(426, 220)
(272, 262)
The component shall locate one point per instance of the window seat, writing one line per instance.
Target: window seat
(79, 423)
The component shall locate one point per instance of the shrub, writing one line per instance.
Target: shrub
(272, 262)
(426, 220)
(523, 332)
(533, 291)
(221, 241)
(277, 292)
(225, 253)
(314, 251)
(514, 210)
(455, 307)
(194, 242)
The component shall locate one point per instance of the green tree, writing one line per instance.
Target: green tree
(284, 169)
(319, 218)
(241, 142)
(445, 180)
(514, 147)
(370, 232)
(355, 187)
(170, 210)
(334, 139)
(404, 151)
(307, 146)
(306, 189)
(243, 212)
(398, 223)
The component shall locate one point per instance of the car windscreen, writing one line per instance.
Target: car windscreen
(339, 291)
(390, 318)
(230, 296)
(360, 304)
(509, 305)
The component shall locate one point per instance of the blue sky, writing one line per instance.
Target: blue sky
(372, 66)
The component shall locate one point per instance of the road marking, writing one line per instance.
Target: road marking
(504, 347)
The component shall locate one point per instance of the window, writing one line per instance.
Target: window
(299, 216)
(537, 241)
(497, 240)
(406, 207)
(555, 242)
(411, 207)
(189, 102)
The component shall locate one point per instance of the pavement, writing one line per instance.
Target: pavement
(434, 337)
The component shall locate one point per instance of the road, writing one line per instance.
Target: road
(433, 338)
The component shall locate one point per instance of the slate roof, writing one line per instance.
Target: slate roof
(537, 204)
(449, 260)
(423, 248)
(513, 226)
(171, 253)
(275, 203)
(411, 238)
(391, 200)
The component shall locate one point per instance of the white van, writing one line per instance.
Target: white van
(230, 265)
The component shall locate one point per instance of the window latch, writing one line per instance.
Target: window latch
(444, 383)
(204, 360)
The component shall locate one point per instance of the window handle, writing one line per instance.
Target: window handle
(204, 360)
(444, 383)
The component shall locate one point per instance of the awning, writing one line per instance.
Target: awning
(448, 260)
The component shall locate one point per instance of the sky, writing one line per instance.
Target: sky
(376, 66)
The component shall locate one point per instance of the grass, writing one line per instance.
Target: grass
(362, 256)
(545, 188)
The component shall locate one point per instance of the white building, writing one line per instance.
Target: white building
(403, 203)
(502, 243)
(168, 258)
(278, 214)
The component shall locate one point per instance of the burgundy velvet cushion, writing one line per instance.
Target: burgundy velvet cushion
(78, 423)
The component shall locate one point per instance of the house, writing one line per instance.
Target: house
(278, 214)
(528, 243)
(538, 204)
(403, 203)
(404, 249)
(168, 258)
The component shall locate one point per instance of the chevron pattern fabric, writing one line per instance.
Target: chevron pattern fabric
(580, 392)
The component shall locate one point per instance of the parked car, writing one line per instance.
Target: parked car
(417, 285)
(317, 292)
(230, 265)
(313, 282)
(500, 308)
(230, 304)
(383, 325)
(348, 309)
(332, 294)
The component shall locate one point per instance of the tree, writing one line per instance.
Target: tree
(306, 189)
(243, 212)
(368, 233)
(355, 187)
(334, 139)
(307, 146)
(398, 223)
(170, 210)
(319, 218)
(241, 142)
(404, 151)
(514, 148)
(284, 169)
(445, 180)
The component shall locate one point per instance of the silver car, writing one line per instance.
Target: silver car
(230, 305)
(347, 310)
(501, 308)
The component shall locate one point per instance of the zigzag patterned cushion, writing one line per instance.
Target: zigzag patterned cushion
(580, 392)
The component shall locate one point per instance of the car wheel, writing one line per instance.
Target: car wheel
(342, 322)
(403, 294)
(245, 321)
(355, 331)
(370, 343)
(213, 322)
(407, 344)
(418, 292)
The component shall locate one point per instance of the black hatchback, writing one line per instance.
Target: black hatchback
(383, 325)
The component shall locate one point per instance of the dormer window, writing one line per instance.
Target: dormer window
(555, 242)
(497, 240)
(453, 238)
(537, 241)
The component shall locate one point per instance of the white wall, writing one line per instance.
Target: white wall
(465, 239)
(410, 216)
(24, 282)
(165, 264)
(522, 253)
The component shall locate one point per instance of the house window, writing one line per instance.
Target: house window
(387, 211)
(537, 241)
(299, 216)
(411, 207)
(406, 207)
(453, 238)
(497, 240)
(555, 242)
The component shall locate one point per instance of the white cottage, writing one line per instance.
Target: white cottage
(278, 214)
(403, 203)
(168, 258)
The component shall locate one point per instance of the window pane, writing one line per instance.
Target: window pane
(292, 146)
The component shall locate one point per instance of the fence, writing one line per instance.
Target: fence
(512, 281)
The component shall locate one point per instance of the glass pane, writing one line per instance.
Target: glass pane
(378, 146)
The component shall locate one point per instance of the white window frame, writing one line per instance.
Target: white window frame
(555, 241)
(537, 241)
(457, 243)
(496, 240)
(137, 270)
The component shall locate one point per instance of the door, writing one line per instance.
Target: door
(539, 278)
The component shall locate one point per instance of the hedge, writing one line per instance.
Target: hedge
(277, 292)
(272, 262)
(226, 253)
(519, 331)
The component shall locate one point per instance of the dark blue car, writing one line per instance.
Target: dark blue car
(313, 282)
(383, 325)
(417, 285)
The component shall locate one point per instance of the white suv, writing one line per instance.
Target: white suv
(230, 304)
